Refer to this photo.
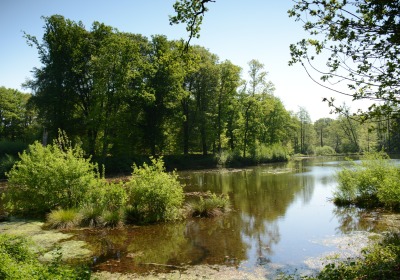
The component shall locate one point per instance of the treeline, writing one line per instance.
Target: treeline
(122, 95)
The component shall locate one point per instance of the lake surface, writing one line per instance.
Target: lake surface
(281, 217)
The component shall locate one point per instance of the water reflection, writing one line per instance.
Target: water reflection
(278, 210)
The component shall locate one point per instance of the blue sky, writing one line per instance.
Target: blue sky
(236, 30)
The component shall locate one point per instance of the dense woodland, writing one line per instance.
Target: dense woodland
(123, 95)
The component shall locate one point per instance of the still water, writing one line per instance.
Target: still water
(280, 214)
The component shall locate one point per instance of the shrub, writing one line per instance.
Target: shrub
(49, 177)
(91, 215)
(63, 219)
(154, 195)
(324, 151)
(372, 182)
(113, 218)
(211, 206)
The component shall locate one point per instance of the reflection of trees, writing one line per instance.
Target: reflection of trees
(262, 195)
(355, 219)
(214, 241)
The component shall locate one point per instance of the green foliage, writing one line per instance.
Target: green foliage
(49, 177)
(324, 151)
(18, 262)
(154, 195)
(211, 206)
(64, 219)
(270, 153)
(372, 182)
(12, 148)
(113, 218)
(91, 215)
(357, 46)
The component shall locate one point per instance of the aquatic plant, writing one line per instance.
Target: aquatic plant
(370, 183)
(211, 206)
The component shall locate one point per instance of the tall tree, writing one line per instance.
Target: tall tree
(306, 133)
(322, 127)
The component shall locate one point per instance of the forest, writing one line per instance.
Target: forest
(124, 96)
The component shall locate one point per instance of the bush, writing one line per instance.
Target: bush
(373, 182)
(154, 195)
(49, 177)
(91, 215)
(271, 153)
(211, 206)
(324, 151)
(18, 262)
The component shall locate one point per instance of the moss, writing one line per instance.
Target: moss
(46, 241)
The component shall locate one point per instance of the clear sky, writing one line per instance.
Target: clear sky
(236, 30)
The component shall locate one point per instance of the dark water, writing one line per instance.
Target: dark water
(278, 212)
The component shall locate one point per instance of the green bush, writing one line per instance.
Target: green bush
(18, 262)
(154, 195)
(372, 182)
(91, 215)
(324, 151)
(46, 178)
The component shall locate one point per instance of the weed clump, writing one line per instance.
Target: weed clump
(211, 206)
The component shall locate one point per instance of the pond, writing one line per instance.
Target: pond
(282, 218)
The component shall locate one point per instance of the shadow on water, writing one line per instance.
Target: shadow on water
(279, 210)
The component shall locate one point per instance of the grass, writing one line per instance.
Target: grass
(64, 218)
(211, 206)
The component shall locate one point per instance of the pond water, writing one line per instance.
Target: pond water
(281, 217)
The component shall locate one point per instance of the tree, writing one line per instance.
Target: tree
(190, 12)
(306, 133)
(64, 85)
(361, 39)
(17, 118)
(322, 127)
(252, 96)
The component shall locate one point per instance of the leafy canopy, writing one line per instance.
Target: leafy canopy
(360, 41)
